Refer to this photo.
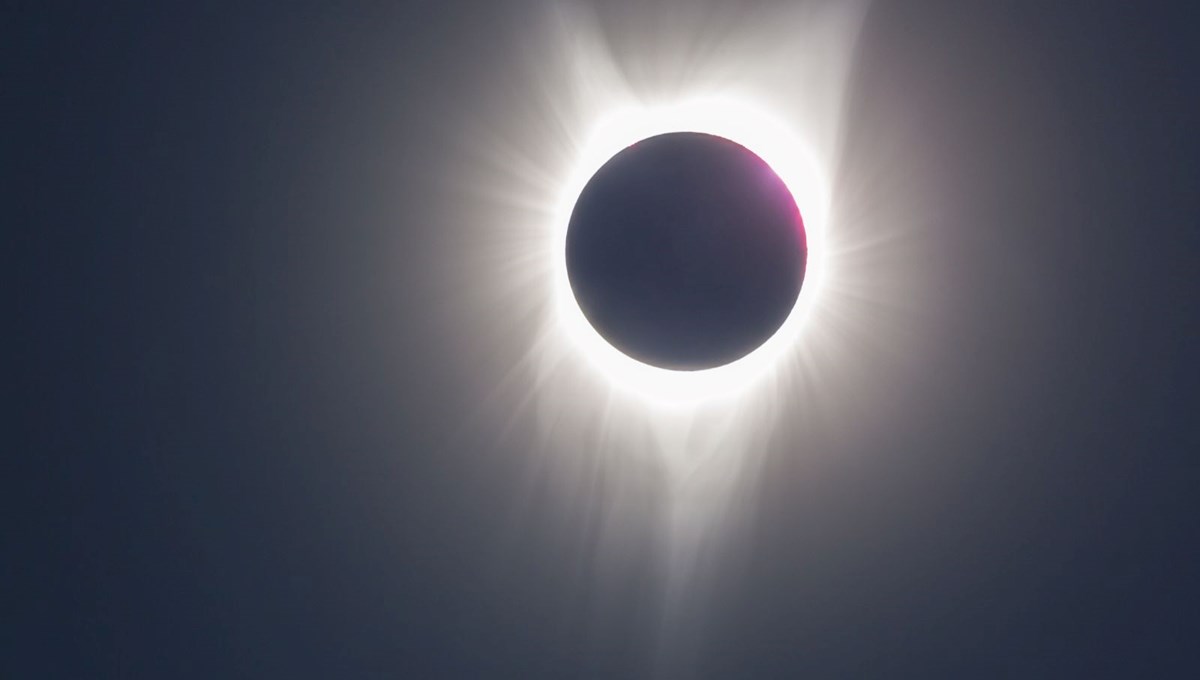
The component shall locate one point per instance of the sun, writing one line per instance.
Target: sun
(793, 161)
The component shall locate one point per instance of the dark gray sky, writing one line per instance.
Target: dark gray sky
(245, 443)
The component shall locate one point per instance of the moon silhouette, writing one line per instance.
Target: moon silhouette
(686, 251)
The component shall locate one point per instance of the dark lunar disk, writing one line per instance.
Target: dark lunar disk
(686, 251)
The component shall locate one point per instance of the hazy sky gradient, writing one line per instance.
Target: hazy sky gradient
(251, 436)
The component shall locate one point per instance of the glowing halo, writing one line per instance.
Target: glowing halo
(786, 154)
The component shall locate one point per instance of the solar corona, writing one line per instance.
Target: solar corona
(690, 242)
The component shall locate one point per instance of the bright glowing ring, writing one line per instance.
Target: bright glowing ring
(791, 160)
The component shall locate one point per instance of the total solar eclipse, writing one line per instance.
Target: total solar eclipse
(686, 251)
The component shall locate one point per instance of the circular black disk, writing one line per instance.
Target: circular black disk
(686, 251)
